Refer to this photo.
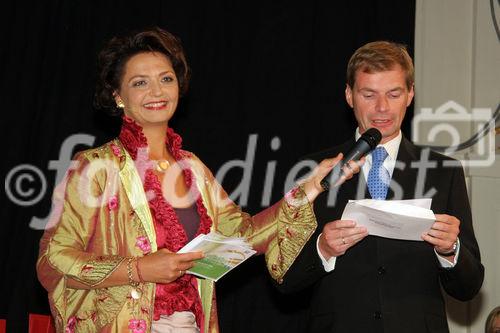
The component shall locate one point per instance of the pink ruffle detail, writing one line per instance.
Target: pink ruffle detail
(180, 295)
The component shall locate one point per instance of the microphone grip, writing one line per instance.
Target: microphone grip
(357, 152)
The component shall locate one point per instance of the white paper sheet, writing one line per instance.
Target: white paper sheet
(398, 219)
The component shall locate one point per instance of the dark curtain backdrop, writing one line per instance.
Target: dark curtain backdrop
(271, 68)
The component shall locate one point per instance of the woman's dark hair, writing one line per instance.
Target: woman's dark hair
(116, 53)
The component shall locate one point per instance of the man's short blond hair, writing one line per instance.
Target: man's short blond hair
(380, 56)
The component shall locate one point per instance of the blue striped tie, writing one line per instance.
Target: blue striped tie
(378, 177)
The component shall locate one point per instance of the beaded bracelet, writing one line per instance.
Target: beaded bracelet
(138, 271)
(129, 273)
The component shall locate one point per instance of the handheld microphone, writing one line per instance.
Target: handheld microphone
(365, 144)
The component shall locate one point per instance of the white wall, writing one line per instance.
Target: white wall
(457, 57)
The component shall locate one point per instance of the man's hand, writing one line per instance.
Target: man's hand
(338, 236)
(443, 233)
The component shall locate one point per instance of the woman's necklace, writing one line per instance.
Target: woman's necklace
(162, 165)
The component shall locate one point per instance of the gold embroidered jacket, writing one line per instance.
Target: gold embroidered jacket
(89, 235)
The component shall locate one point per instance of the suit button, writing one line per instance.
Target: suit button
(381, 270)
(377, 315)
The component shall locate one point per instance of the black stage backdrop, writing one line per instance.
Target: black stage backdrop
(268, 82)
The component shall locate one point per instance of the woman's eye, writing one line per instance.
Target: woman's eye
(139, 83)
(167, 79)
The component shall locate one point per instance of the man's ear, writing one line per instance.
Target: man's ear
(348, 95)
(411, 94)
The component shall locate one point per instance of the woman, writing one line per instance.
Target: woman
(109, 259)
(493, 321)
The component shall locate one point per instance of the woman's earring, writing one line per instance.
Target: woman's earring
(120, 104)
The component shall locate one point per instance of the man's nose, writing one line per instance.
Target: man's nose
(382, 104)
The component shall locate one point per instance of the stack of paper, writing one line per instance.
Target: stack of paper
(222, 254)
(398, 219)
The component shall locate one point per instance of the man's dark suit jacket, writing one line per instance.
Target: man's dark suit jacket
(387, 285)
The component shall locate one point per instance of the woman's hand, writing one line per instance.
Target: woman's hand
(312, 185)
(164, 266)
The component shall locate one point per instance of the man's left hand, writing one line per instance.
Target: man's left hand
(443, 233)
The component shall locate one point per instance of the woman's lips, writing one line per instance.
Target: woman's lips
(154, 106)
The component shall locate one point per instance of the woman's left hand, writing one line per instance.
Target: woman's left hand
(164, 266)
(312, 186)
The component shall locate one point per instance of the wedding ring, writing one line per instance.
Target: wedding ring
(343, 241)
(181, 272)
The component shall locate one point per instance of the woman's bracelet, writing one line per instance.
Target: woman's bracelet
(131, 280)
(141, 280)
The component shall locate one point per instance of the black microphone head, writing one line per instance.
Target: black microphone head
(366, 143)
(372, 136)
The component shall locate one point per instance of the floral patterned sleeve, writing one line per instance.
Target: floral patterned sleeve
(76, 210)
(280, 231)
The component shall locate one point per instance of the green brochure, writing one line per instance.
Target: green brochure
(222, 254)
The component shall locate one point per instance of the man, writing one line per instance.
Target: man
(364, 283)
